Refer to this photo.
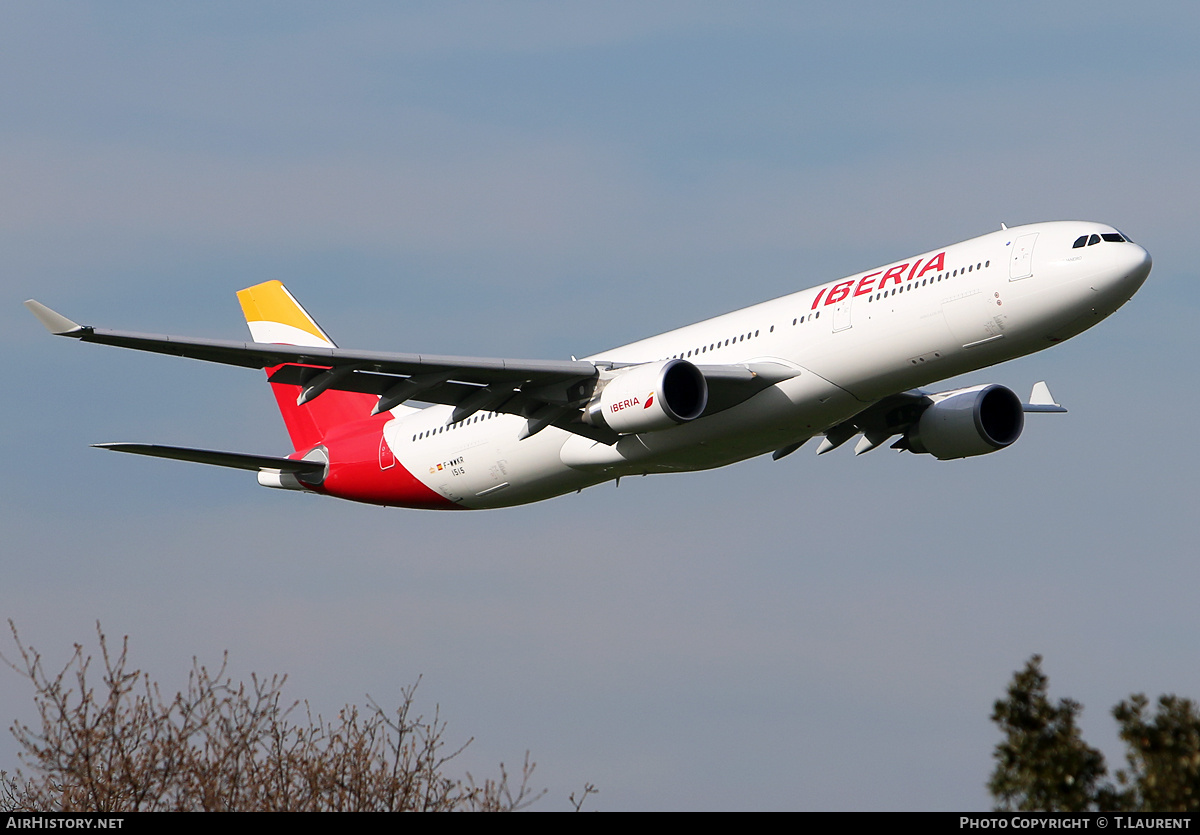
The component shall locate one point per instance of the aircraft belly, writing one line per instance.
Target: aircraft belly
(485, 466)
(506, 471)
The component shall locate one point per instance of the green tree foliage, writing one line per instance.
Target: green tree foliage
(1163, 754)
(1043, 764)
(221, 745)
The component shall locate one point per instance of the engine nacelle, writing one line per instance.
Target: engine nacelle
(650, 397)
(966, 422)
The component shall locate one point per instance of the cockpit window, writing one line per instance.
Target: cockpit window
(1092, 240)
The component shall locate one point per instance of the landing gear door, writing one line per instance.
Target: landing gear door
(1020, 261)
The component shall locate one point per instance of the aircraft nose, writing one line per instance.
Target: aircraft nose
(1133, 264)
(1122, 271)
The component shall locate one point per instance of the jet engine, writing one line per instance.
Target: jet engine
(967, 422)
(650, 397)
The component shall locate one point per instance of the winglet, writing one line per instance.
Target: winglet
(1041, 400)
(56, 323)
(274, 315)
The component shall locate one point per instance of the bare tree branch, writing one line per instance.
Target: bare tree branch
(221, 745)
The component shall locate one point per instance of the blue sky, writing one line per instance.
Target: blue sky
(542, 180)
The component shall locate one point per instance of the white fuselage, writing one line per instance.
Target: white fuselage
(853, 342)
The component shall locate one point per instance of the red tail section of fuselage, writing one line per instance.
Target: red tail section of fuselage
(361, 465)
(308, 424)
(363, 468)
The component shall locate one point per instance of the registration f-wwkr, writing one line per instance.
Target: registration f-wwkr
(840, 360)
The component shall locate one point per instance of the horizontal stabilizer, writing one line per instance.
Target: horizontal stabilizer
(237, 460)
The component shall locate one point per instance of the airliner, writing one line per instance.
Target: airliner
(849, 358)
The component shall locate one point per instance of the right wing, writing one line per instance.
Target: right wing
(897, 414)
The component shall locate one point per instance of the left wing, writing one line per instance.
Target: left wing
(544, 392)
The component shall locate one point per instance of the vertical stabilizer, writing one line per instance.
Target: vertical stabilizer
(274, 316)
